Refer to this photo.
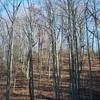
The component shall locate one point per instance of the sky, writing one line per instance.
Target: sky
(39, 3)
(3, 12)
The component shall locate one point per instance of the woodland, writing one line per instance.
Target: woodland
(49, 49)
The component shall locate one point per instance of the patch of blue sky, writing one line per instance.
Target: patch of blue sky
(9, 6)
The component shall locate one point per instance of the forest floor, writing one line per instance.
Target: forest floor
(44, 84)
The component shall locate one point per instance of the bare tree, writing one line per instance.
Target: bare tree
(12, 18)
(29, 30)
